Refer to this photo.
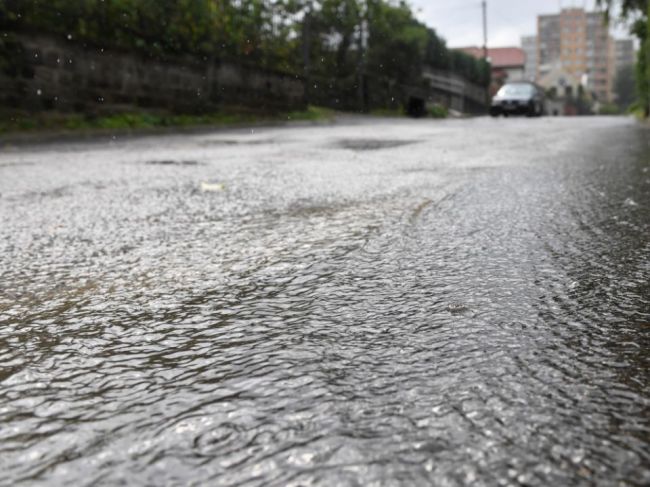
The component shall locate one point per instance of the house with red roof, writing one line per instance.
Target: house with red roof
(508, 63)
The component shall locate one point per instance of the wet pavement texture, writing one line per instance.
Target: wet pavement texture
(370, 303)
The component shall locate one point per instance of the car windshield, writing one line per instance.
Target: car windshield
(516, 90)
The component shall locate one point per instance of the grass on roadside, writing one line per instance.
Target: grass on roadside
(637, 110)
(24, 122)
(389, 112)
(313, 114)
(438, 111)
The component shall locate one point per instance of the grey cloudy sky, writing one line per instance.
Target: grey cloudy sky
(460, 21)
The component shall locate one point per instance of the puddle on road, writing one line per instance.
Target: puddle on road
(170, 162)
(228, 142)
(372, 144)
(15, 164)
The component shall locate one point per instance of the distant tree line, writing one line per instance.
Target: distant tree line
(639, 12)
(323, 38)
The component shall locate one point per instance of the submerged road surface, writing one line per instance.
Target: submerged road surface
(370, 303)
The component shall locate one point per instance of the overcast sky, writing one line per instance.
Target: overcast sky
(460, 21)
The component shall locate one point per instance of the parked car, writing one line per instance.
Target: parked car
(520, 98)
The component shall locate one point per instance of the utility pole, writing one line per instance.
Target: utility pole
(362, 82)
(485, 30)
(306, 51)
(647, 68)
(485, 52)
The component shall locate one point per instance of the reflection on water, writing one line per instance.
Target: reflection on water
(385, 318)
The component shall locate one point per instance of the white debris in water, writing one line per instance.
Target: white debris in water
(211, 187)
(630, 202)
(39, 92)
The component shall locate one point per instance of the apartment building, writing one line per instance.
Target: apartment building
(529, 46)
(578, 44)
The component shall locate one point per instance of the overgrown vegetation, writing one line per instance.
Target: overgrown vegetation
(610, 109)
(320, 38)
(438, 111)
(21, 122)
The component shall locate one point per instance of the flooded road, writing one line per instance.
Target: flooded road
(369, 303)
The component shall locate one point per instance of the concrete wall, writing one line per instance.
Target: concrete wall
(438, 87)
(48, 73)
(454, 92)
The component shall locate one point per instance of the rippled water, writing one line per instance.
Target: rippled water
(367, 304)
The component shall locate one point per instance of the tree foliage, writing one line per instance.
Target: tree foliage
(625, 87)
(639, 12)
(333, 37)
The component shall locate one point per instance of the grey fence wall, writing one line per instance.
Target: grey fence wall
(374, 92)
(46, 73)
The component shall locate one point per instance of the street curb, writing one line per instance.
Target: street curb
(19, 139)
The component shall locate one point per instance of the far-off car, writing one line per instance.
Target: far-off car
(520, 98)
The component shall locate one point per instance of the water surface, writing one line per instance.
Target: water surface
(372, 303)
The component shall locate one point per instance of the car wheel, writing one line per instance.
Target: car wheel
(532, 110)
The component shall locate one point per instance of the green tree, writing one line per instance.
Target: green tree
(639, 9)
(625, 87)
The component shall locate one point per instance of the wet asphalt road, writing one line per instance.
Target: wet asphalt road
(370, 303)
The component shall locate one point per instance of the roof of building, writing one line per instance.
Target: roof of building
(500, 57)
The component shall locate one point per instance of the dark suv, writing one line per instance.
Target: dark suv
(520, 98)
